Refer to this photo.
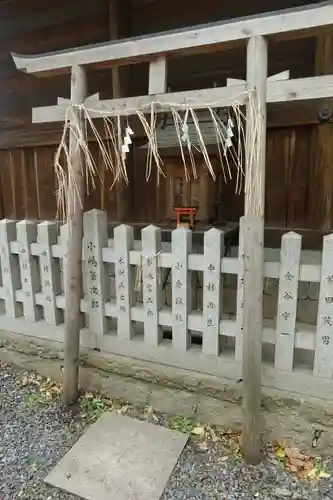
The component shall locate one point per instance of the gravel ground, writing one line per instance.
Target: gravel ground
(35, 433)
(202, 476)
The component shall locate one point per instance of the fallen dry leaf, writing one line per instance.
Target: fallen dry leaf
(309, 465)
(317, 473)
(294, 464)
(124, 409)
(294, 453)
(150, 415)
(324, 475)
(280, 454)
(234, 446)
(203, 446)
(304, 466)
(198, 430)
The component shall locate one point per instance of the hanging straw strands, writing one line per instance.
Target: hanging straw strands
(254, 185)
(230, 143)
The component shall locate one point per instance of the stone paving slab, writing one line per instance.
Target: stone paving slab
(119, 458)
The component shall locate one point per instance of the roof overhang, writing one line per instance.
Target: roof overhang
(284, 23)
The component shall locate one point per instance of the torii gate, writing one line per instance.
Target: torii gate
(255, 31)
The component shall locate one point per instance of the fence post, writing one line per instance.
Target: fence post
(9, 267)
(27, 234)
(124, 242)
(49, 270)
(95, 238)
(240, 296)
(181, 288)
(212, 282)
(287, 305)
(323, 360)
(152, 296)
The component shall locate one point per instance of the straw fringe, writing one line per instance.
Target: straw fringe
(110, 149)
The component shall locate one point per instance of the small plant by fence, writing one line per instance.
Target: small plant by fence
(33, 260)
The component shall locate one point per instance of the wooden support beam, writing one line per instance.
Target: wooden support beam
(284, 75)
(113, 33)
(157, 75)
(298, 114)
(73, 284)
(254, 246)
(277, 91)
(117, 93)
(196, 39)
(322, 140)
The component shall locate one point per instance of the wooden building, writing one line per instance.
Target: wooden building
(299, 169)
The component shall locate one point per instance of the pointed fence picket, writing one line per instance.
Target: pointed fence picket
(287, 301)
(323, 361)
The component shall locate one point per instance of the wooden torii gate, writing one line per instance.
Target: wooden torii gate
(255, 32)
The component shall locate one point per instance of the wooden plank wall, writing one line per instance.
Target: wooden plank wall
(28, 185)
(294, 185)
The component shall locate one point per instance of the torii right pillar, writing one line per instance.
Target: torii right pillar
(254, 246)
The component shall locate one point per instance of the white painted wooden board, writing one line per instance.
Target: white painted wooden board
(152, 285)
(27, 234)
(47, 234)
(212, 287)
(157, 75)
(323, 361)
(9, 267)
(287, 301)
(95, 238)
(181, 288)
(124, 242)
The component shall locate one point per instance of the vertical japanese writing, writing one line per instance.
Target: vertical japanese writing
(26, 234)
(213, 251)
(125, 280)
(9, 267)
(95, 289)
(287, 304)
(181, 288)
(323, 366)
(50, 279)
(92, 268)
(151, 248)
(121, 272)
(149, 279)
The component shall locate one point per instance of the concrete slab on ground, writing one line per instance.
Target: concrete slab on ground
(119, 458)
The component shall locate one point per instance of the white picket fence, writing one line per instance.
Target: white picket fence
(33, 257)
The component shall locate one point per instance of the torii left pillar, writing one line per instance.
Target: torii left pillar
(73, 283)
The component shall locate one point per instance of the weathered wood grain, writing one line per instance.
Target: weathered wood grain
(74, 263)
(254, 248)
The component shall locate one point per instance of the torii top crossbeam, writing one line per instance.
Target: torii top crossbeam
(196, 39)
(158, 47)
